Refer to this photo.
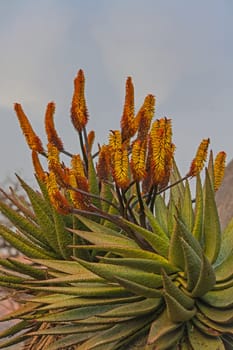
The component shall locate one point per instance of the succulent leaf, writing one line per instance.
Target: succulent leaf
(187, 208)
(192, 265)
(158, 243)
(200, 341)
(211, 230)
(138, 308)
(156, 227)
(24, 245)
(174, 291)
(226, 244)
(155, 264)
(198, 217)
(223, 316)
(176, 311)
(206, 279)
(161, 327)
(63, 238)
(224, 270)
(176, 254)
(93, 182)
(161, 212)
(138, 289)
(109, 272)
(219, 298)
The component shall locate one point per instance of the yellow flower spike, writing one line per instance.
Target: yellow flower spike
(78, 171)
(55, 165)
(144, 117)
(219, 169)
(161, 149)
(77, 166)
(118, 159)
(115, 140)
(53, 157)
(103, 166)
(120, 167)
(76, 197)
(79, 113)
(52, 135)
(138, 159)
(147, 181)
(78, 180)
(39, 171)
(59, 201)
(168, 166)
(32, 139)
(128, 125)
(200, 158)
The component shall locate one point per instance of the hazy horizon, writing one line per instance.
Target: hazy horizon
(180, 51)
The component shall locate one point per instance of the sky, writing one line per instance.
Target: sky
(180, 51)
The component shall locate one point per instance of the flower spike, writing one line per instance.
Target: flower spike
(90, 140)
(162, 150)
(119, 159)
(57, 198)
(56, 166)
(32, 139)
(138, 158)
(78, 180)
(39, 171)
(219, 169)
(79, 113)
(128, 125)
(103, 165)
(121, 167)
(50, 128)
(144, 117)
(200, 158)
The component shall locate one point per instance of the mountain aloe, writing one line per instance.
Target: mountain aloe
(116, 247)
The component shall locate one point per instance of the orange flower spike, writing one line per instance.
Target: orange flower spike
(32, 139)
(90, 139)
(219, 169)
(144, 117)
(120, 167)
(50, 128)
(138, 158)
(40, 173)
(103, 166)
(200, 158)
(128, 125)
(79, 113)
(60, 203)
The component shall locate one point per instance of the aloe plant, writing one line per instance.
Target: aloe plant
(118, 251)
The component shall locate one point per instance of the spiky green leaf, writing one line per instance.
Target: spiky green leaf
(211, 231)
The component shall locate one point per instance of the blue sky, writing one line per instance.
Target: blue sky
(181, 51)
